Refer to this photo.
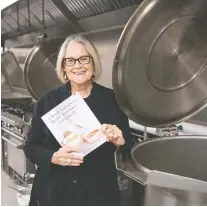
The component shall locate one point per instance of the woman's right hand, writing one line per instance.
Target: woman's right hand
(67, 156)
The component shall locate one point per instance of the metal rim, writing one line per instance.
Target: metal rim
(183, 137)
(26, 65)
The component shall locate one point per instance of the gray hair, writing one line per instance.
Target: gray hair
(90, 48)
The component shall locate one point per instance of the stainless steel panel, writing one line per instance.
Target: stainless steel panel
(160, 66)
(16, 157)
(13, 71)
(166, 189)
(5, 85)
(18, 146)
(10, 133)
(159, 196)
(8, 95)
(53, 14)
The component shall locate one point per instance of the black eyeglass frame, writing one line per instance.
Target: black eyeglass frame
(78, 59)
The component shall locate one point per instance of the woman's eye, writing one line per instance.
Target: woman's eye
(83, 58)
(69, 60)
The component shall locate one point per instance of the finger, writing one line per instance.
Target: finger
(109, 135)
(121, 141)
(62, 161)
(62, 153)
(117, 131)
(104, 127)
(65, 156)
(75, 162)
(109, 130)
(114, 137)
(72, 162)
(74, 165)
(75, 156)
(69, 149)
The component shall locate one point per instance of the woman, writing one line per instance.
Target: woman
(62, 177)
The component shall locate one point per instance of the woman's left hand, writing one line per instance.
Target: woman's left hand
(113, 134)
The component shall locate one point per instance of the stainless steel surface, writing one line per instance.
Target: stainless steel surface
(13, 85)
(5, 85)
(167, 189)
(12, 71)
(125, 163)
(105, 41)
(11, 119)
(9, 95)
(174, 155)
(39, 71)
(16, 158)
(14, 131)
(160, 67)
(20, 146)
(30, 14)
(167, 180)
(200, 118)
(68, 14)
(13, 134)
(172, 170)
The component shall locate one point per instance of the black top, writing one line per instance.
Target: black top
(94, 182)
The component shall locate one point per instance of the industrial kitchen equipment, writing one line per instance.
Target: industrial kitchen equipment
(16, 113)
(160, 78)
(157, 27)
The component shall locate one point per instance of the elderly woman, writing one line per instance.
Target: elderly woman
(88, 181)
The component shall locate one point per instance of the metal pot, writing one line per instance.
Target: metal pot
(160, 78)
(39, 70)
(171, 169)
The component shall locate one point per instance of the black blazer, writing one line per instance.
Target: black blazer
(94, 182)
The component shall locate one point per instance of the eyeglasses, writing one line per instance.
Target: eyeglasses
(71, 61)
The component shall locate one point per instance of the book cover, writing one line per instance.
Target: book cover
(73, 123)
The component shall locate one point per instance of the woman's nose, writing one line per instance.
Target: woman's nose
(77, 64)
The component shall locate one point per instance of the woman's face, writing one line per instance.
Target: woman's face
(78, 73)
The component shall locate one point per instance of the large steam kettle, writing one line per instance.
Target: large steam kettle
(160, 78)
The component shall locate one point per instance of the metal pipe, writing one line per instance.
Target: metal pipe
(188, 128)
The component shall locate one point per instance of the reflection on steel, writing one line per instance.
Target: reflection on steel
(160, 67)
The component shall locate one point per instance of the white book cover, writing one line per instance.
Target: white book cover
(73, 123)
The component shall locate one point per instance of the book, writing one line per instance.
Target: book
(73, 123)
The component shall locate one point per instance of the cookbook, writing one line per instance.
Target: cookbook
(73, 123)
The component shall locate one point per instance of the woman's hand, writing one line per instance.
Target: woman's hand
(67, 156)
(113, 134)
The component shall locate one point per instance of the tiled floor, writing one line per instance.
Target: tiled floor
(8, 195)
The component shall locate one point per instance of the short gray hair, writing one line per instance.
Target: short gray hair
(91, 49)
